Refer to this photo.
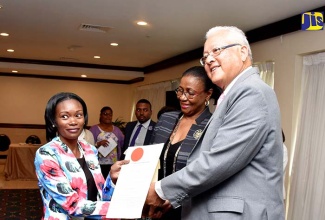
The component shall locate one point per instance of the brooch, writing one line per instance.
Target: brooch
(91, 165)
(150, 128)
(197, 134)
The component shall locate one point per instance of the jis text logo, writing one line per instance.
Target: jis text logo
(312, 21)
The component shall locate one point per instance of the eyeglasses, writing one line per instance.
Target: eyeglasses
(189, 94)
(215, 52)
(107, 114)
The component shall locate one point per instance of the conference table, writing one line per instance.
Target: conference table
(20, 162)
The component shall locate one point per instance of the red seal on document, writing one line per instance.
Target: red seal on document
(137, 154)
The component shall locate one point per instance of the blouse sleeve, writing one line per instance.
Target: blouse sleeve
(120, 137)
(108, 189)
(95, 131)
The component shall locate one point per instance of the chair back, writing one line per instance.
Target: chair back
(33, 139)
(4, 142)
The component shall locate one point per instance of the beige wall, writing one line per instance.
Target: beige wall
(287, 53)
(167, 74)
(23, 100)
(19, 135)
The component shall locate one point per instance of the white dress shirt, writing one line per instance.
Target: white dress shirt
(142, 135)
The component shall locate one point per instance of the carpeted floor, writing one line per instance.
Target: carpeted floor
(19, 204)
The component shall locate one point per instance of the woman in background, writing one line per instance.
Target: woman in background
(106, 133)
(180, 130)
(69, 175)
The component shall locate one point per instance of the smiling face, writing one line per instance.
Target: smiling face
(69, 118)
(222, 69)
(195, 86)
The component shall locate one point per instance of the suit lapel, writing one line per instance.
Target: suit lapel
(220, 111)
(191, 139)
(149, 133)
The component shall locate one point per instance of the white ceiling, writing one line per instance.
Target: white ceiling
(49, 31)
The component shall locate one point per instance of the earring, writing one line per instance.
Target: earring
(207, 102)
(53, 126)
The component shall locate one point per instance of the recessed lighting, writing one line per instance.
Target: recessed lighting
(4, 34)
(14, 71)
(114, 44)
(10, 50)
(1, 6)
(142, 23)
(83, 76)
(74, 47)
(97, 57)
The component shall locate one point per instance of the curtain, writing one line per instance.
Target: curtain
(155, 93)
(307, 191)
(266, 72)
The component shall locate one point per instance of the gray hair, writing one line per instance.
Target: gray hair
(238, 34)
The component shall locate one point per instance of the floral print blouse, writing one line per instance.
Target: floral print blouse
(63, 185)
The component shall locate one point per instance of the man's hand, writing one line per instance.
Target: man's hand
(154, 202)
(116, 168)
(166, 206)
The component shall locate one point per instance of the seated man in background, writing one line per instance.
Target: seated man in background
(138, 133)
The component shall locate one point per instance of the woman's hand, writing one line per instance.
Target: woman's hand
(103, 143)
(116, 168)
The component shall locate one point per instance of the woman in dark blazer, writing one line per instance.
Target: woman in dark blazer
(180, 130)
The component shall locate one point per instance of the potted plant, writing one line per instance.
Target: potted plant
(120, 124)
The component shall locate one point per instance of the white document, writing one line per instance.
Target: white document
(106, 150)
(134, 181)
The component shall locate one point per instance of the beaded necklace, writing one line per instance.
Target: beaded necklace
(168, 146)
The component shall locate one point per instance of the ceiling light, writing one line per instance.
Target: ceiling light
(114, 44)
(74, 47)
(1, 6)
(69, 59)
(14, 71)
(142, 23)
(4, 34)
(97, 57)
(10, 50)
(83, 76)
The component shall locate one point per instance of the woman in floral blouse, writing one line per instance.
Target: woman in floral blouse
(68, 171)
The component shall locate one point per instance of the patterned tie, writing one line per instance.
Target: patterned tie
(222, 96)
(135, 135)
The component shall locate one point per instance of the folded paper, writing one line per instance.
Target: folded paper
(134, 181)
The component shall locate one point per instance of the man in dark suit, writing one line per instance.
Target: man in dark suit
(138, 133)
